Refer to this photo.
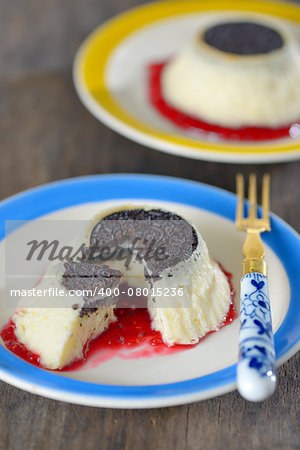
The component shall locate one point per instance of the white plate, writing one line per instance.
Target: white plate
(202, 372)
(111, 78)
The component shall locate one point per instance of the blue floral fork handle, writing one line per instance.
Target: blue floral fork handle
(256, 375)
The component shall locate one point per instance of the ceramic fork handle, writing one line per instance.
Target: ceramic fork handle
(256, 376)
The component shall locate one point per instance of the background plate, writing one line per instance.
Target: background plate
(110, 76)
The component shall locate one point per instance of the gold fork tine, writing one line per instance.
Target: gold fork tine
(266, 199)
(252, 197)
(240, 194)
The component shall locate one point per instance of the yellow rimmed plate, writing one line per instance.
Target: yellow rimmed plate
(110, 76)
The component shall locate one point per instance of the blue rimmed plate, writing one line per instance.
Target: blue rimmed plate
(196, 374)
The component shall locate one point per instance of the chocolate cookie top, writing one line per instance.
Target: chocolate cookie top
(94, 281)
(161, 239)
(243, 38)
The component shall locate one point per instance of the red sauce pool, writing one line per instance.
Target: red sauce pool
(188, 122)
(130, 337)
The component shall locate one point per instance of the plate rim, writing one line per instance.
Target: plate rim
(116, 117)
(22, 374)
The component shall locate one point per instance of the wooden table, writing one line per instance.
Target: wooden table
(45, 135)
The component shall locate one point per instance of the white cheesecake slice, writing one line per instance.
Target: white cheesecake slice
(59, 329)
(189, 294)
(59, 335)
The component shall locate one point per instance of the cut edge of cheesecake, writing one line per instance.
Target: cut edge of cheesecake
(59, 335)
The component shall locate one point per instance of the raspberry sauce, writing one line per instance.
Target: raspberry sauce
(130, 337)
(193, 124)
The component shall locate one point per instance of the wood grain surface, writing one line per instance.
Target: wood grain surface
(46, 135)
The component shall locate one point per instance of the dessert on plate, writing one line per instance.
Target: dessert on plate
(148, 248)
(240, 73)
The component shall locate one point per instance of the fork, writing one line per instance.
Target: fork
(256, 375)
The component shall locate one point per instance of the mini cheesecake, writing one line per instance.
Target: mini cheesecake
(237, 72)
(202, 293)
(188, 293)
